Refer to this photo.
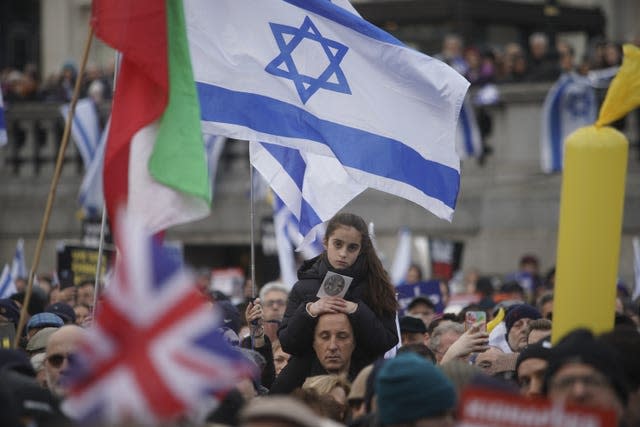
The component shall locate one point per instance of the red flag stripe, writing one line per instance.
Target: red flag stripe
(138, 29)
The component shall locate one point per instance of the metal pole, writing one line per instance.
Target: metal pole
(96, 283)
(252, 326)
(103, 224)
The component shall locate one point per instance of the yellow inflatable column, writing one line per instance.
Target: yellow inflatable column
(595, 166)
(594, 172)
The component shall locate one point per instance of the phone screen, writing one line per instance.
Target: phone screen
(476, 318)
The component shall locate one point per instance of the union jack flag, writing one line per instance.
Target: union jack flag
(155, 352)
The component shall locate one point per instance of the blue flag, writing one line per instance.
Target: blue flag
(468, 139)
(3, 123)
(315, 77)
(19, 265)
(569, 105)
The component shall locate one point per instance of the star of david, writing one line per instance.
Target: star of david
(288, 39)
(578, 104)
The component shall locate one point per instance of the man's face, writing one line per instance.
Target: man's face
(531, 376)
(333, 342)
(581, 384)
(446, 340)
(422, 311)
(518, 335)
(413, 275)
(85, 295)
(274, 305)
(68, 295)
(61, 344)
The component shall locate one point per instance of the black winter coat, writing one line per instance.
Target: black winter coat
(373, 335)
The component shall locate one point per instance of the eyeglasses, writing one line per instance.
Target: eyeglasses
(275, 303)
(56, 360)
(592, 381)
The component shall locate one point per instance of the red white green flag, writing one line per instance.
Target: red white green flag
(155, 162)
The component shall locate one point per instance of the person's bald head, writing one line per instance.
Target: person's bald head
(61, 343)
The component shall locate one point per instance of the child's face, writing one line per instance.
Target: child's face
(343, 247)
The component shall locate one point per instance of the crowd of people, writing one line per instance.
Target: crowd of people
(538, 61)
(26, 85)
(330, 352)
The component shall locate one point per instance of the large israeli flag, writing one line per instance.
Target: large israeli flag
(313, 76)
(569, 105)
(3, 123)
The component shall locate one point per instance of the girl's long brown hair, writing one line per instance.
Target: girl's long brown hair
(379, 293)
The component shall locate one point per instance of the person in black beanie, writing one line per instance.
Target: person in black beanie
(587, 372)
(531, 366)
(516, 321)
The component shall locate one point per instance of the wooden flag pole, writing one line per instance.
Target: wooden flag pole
(53, 188)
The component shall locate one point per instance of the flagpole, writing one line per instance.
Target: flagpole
(103, 223)
(253, 251)
(96, 283)
(53, 188)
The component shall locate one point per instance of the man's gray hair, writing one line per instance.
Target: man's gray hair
(441, 329)
(273, 286)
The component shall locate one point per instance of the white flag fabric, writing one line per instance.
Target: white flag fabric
(3, 123)
(313, 76)
(214, 145)
(636, 267)
(91, 197)
(468, 137)
(402, 258)
(287, 239)
(569, 105)
(85, 128)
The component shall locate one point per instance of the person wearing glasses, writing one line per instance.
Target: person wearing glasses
(62, 343)
(273, 298)
(587, 372)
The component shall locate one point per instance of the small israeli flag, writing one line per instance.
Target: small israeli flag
(569, 105)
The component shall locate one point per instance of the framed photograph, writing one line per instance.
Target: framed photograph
(334, 285)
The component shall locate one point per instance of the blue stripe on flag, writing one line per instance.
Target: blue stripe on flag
(291, 158)
(555, 127)
(344, 17)
(86, 143)
(466, 131)
(402, 163)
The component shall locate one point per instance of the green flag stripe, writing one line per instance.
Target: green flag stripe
(178, 159)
